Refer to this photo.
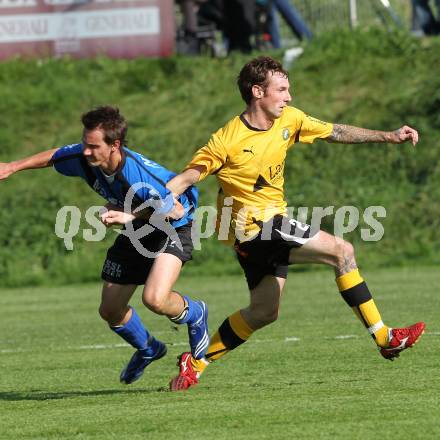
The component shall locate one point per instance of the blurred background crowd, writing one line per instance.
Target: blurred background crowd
(258, 24)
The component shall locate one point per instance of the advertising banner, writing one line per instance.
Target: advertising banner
(86, 28)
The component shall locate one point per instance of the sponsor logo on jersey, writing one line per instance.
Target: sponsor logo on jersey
(276, 172)
(149, 162)
(99, 189)
(103, 193)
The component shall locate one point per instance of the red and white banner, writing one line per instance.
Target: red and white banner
(84, 28)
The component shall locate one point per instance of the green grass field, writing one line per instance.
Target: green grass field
(314, 374)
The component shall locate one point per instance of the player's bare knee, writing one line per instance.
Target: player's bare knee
(154, 301)
(271, 317)
(112, 317)
(103, 313)
(264, 317)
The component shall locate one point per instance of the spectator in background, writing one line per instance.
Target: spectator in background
(291, 16)
(211, 11)
(200, 20)
(239, 24)
(424, 20)
(237, 19)
(189, 10)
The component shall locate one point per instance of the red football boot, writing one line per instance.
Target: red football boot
(402, 338)
(187, 377)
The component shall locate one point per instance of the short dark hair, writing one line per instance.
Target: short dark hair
(107, 118)
(255, 72)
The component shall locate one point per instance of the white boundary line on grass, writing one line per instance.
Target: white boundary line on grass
(125, 345)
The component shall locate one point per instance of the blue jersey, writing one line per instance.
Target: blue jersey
(149, 178)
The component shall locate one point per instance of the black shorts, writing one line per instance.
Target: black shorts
(268, 253)
(125, 265)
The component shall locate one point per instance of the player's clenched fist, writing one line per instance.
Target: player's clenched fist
(112, 217)
(404, 134)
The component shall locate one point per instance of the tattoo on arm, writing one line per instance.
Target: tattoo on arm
(347, 134)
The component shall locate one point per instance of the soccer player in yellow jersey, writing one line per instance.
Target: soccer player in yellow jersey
(247, 156)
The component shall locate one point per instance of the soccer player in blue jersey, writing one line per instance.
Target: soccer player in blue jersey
(119, 174)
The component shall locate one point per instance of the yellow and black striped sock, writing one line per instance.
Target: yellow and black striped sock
(355, 292)
(233, 332)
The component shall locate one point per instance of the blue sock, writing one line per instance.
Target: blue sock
(193, 311)
(134, 332)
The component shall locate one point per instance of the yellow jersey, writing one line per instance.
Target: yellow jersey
(249, 166)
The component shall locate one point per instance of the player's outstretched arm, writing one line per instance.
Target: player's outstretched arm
(178, 184)
(347, 134)
(39, 160)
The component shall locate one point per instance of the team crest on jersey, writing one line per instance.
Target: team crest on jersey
(286, 134)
